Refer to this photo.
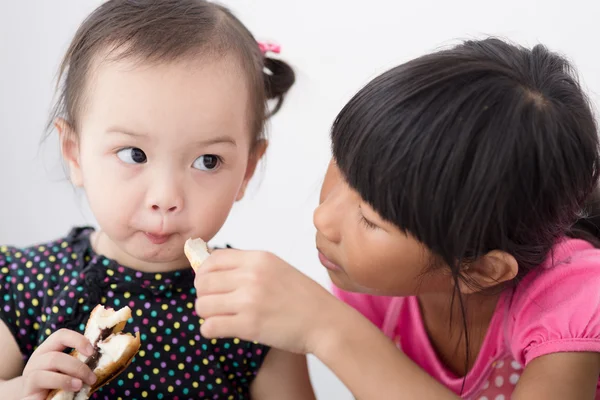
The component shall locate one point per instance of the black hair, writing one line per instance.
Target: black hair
(169, 30)
(484, 146)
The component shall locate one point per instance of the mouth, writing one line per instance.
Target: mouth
(327, 263)
(156, 238)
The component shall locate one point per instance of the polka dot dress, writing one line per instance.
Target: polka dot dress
(53, 286)
(501, 380)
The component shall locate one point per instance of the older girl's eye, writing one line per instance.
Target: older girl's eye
(368, 224)
(132, 155)
(207, 162)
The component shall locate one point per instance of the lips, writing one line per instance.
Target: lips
(327, 263)
(157, 238)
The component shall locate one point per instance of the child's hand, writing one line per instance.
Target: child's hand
(256, 296)
(49, 368)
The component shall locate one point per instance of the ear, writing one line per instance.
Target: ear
(69, 145)
(492, 269)
(257, 153)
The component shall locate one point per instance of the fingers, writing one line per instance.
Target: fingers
(66, 364)
(49, 380)
(65, 338)
(226, 326)
(217, 282)
(49, 368)
(219, 304)
(222, 260)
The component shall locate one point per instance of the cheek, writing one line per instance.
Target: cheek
(386, 265)
(209, 201)
(381, 274)
(109, 188)
(208, 221)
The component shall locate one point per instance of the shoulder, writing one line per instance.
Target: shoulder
(42, 258)
(29, 277)
(556, 308)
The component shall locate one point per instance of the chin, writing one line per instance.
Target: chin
(344, 283)
(163, 258)
(340, 282)
(158, 254)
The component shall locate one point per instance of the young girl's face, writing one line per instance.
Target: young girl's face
(162, 151)
(364, 253)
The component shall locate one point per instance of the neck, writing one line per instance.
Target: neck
(104, 246)
(445, 325)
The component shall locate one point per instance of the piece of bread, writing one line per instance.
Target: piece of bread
(114, 350)
(196, 252)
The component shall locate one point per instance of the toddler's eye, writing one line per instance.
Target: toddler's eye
(132, 155)
(207, 162)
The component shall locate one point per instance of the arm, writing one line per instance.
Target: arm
(258, 297)
(377, 370)
(380, 370)
(560, 376)
(11, 366)
(283, 375)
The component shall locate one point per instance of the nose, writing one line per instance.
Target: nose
(172, 209)
(166, 196)
(334, 206)
(327, 217)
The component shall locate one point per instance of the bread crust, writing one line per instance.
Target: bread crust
(194, 259)
(109, 372)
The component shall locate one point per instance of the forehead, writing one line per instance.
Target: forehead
(184, 96)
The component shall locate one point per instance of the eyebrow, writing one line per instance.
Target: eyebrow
(223, 139)
(121, 131)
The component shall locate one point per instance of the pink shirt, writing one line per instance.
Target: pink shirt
(556, 308)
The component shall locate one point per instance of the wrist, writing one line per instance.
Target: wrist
(13, 387)
(335, 324)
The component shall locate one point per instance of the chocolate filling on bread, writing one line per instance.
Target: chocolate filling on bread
(113, 350)
(92, 360)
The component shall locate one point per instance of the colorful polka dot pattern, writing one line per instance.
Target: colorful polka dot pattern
(502, 380)
(48, 287)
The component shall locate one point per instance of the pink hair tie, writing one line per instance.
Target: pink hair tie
(268, 47)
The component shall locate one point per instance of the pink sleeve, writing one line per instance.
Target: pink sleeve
(557, 309)
(372, 307)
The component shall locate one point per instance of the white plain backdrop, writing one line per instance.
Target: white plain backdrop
(335, 47)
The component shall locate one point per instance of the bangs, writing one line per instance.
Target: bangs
(449, 145)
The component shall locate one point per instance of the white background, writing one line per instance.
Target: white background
(335, 46)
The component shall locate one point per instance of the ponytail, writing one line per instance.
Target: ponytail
(279, 78)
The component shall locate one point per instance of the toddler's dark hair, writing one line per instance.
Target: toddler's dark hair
(160, 31)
